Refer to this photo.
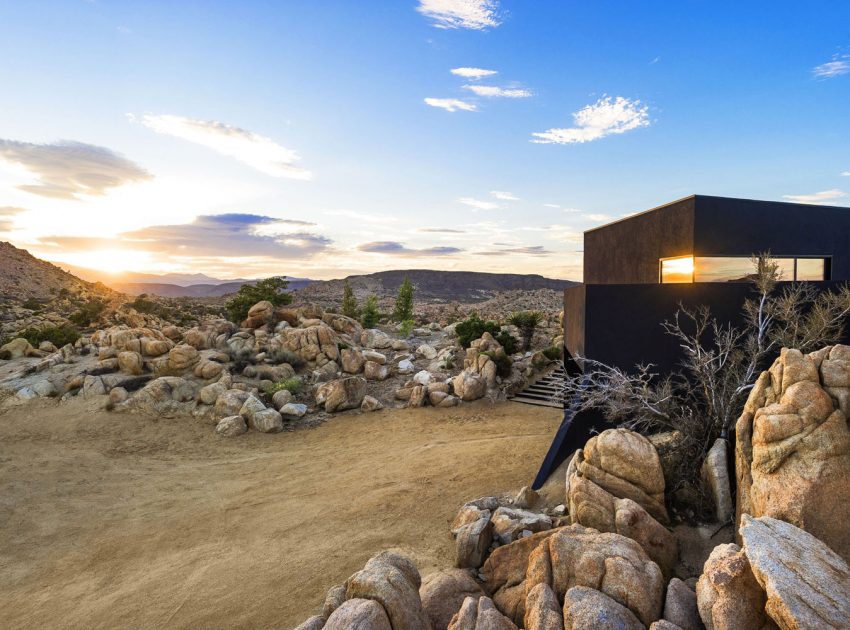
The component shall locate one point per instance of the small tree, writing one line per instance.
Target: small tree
(370, 316)
(349, 302)
(404, 302)
(271, 289)
(527, 322)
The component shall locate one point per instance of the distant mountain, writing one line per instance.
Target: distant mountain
(194, 290)
(447, 286)
(131, 277)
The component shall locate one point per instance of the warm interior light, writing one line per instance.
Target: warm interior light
(677, 269)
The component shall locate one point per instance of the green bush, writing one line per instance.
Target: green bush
(88, 312)
(349, 302)
(553, 353)
(508, 341)
(57, 335)
(271, 289)
(370, 315)
(32, 305)
(406, 327)
(527, 322)
(292, 385)
(472, 328)
(148, 307)
(503, 363)
(404, 302)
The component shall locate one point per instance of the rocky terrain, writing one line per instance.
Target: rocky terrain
(608, 556)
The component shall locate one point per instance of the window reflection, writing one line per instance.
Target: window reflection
(738, 269)
(677, 270)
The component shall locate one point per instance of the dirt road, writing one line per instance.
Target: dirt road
(114, 520)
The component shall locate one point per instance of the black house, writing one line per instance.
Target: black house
(694, 251)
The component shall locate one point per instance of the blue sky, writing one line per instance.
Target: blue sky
(245, 139)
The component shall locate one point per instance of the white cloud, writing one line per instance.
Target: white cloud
(603, 118)
(257, 151)
(491, 91)
(451, 104)
(478, 204)
(473, 14)
(473, 73)
(551, 205)
(845, 173)
(361, 216)
(824, 197)
(504, 195)
(836, 67)
(599, 218)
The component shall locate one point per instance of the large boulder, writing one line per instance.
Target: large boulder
(680, 606)
(393, 581)
(510, 523)
(130, 363)
(351, 360)
(473, 542)
(16, 349)
(182, 357)
(230, 403)
(715, 475)
(728, 595)
(373, 339)
(469, 385)
(625, 464)
(341, 394)
(357, 614)
(807, 583)
(542, 609)
(586, 608)
(314, 345)
(792, 453)
(480, 614)
(578, 556)
(343, 324)
(259, 314)
(443, 593)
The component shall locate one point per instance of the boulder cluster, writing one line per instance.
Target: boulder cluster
(607, 558)
(281, 364)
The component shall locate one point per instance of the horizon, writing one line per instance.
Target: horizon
(341, 139)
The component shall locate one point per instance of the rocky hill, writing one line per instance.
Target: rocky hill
(435, 286)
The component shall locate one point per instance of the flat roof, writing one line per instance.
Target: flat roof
(695, 196)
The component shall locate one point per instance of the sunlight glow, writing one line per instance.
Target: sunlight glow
(677, 270)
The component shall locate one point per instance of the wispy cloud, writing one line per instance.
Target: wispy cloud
(605, 117)
(845, 173)
(472, 14)
(441, 231)
(478, 204)
(824, 197)
(473, 73)
(395, 248)
(839, 65)
(504, 195)
(532, 250)
(491, 91)
(219, 236)
(6, 214)
(68, 169)
(361, 216)
(551, 205)
(599, 218)
(259, 152)
(451, 104)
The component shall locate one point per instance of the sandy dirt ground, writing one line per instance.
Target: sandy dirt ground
(123, 521)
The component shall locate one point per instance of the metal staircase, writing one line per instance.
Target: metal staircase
(545, 391)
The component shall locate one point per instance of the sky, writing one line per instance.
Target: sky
(322, 139)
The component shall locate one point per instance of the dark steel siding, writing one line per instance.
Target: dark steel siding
(627, 252)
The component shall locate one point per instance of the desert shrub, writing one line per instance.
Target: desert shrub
(88, 313)
(57, 335)
(143, 305)
(553, 353)
(508, 341)
(404, 302)
(448, 362)
(527, 322)
(503, 363)
(32, 304)
(280, 355)
(473, 327)
(292, 385)
(271, 289)
(406, 327)
(370, 315)
(349, 302)
(720, 364)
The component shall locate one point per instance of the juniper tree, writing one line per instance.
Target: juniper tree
(349, 302)
(370, 316)
(404, 302)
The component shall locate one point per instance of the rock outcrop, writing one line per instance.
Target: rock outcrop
(444, 592)
(807, 583)
(728, 595)
(792, 454)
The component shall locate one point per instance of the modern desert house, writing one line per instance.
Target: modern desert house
(694, 251)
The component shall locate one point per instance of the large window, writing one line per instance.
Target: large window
(739, 269)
